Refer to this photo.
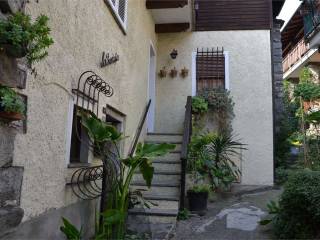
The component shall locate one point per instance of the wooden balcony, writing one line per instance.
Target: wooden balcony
(295, 55)
(161, 4)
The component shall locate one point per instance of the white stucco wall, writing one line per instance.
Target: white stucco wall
(250, 86)
(82, 30)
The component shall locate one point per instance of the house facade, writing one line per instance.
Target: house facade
(138, 36)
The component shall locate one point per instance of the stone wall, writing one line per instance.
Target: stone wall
(277, 75)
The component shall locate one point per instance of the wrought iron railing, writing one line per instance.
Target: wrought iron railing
(187, 131)
(295, 54)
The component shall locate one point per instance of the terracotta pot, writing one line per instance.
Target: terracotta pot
(15, 52)
(11, 116)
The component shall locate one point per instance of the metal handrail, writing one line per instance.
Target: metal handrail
(140, 126)
(187, 131)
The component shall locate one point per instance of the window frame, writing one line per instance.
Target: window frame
(114, 8)
(194, 72)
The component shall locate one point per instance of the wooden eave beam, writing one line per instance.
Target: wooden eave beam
(161, 4)
(172, 27)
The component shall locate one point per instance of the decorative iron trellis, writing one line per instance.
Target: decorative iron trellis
(90, 85)
(89, 183)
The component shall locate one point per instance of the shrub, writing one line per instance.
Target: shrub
(299, 207)
(199, 105)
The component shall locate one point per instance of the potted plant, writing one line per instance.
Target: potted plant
(11, 105)
(19, 37)
(198, 198)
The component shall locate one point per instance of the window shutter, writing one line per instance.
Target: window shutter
(122, 10)
(210, 69)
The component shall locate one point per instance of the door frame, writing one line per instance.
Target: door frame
(152, 66)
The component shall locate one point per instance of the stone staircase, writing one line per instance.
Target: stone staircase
(159, 220)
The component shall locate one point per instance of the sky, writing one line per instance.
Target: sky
(289, 8)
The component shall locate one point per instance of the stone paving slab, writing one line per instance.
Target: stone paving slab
(232, 217)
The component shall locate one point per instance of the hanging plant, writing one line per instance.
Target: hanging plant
(19, 37)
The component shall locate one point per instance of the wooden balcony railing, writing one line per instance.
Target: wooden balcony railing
(295, 54)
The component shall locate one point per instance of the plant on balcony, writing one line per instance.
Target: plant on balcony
(19, 37)
(113, 225)
(11, 106)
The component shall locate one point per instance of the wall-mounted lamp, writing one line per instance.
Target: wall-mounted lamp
(174, 54)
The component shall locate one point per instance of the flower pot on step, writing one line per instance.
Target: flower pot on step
(198, 201)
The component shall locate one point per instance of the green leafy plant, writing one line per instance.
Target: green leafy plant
(298, 216)
(220, 105)
(212, 154)
(10, 101)
(199, 105)
(273, 210)
(70, 231)
(20, 37)
(200, 188)
(183, 214)
(113, 225)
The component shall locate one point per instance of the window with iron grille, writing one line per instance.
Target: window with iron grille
(210, 65)
(119, 10)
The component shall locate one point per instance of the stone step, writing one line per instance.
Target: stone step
(140, 220)
(164, 204)
(162, 166)
(164, 137)
(169, 157)
(165, 190)
(162, 197)
(10, 217)
(159, 177)
(157, 183)
(154, 212)
(177, 143)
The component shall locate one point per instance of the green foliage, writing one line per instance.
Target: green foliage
(19, 32)
(199, 105)
(183, 215)
(70, 231)
(200, 188)
(299, 207)
(289, 125)
(213, 154)
(113, 226)
(313, 117)
(220, 105)
(10, 101)
(308, 91)
(281, 175)
(273, 210)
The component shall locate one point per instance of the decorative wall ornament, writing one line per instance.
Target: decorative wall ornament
(107, 60)
(184, 72)
(163, 72)
(173, 72)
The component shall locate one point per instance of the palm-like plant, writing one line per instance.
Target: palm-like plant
(102, 136)
(222, 149)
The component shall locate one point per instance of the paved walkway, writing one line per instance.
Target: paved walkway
(232, 217)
